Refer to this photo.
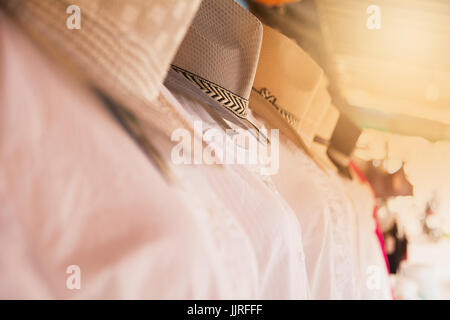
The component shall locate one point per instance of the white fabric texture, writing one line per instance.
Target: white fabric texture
(76, 190)
(325, 216)
(123, 47)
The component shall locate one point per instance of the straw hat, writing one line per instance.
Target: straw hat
(290, 89)
(217, 59)
(122, 50)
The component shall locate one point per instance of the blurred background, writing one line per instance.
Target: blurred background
(392, 81)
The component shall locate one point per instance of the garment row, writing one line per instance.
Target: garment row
(87, 170)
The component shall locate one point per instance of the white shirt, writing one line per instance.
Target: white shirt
(75, 190)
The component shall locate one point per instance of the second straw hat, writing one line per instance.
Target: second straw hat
(218, 57)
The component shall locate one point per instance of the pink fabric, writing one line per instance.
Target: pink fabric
(76, 190)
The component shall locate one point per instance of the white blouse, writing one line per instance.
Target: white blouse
(325, 216)
(258, 212)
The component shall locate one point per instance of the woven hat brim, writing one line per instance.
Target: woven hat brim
(176, 80)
